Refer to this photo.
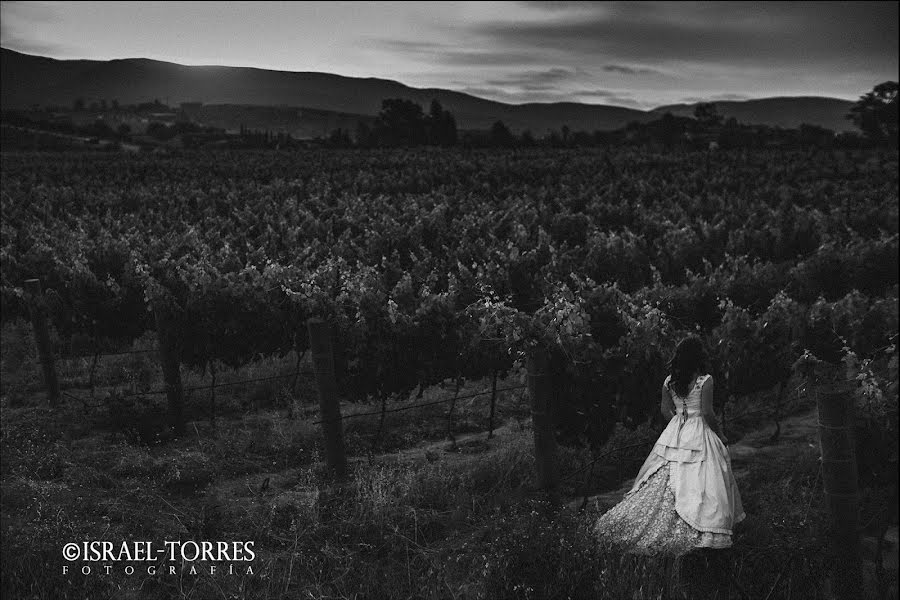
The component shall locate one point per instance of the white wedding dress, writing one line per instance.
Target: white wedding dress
(684, 496)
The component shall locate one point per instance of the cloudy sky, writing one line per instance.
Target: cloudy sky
(639, 54)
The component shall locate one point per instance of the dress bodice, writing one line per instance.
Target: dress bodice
(682, 439)
(688, 406)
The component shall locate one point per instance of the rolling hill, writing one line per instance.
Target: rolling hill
(26, 80)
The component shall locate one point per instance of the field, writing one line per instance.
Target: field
(439, 272)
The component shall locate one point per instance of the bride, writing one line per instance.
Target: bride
(685, 495)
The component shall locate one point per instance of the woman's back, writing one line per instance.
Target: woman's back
(690, 405)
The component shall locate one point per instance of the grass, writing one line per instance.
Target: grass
(420, 516)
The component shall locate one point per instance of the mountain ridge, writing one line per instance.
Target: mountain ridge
(32, 79)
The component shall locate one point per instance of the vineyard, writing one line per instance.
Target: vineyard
(451, 265)
(437, 265)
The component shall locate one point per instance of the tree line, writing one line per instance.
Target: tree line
(403, 123)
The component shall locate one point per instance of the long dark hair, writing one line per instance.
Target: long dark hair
(688, 359)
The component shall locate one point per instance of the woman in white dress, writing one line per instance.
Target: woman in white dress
(685, 495)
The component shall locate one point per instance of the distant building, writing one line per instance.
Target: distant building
(135, 123)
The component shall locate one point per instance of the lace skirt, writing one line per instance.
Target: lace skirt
(646, 522)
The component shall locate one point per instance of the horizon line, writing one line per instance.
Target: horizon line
(425, 89)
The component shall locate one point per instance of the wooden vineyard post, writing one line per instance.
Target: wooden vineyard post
(169, 358)
(493, 405)
(329, 404)
(836, 439)
(540, 390)
(38, 310)
(212, 398)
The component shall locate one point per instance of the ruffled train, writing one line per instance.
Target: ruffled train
(646, 522)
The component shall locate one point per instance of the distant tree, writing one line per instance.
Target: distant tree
(527, 138)
(363, 136)
(501, 135)
(875, 113)
(115, 104)
(440, 126)
(401, 122)
(849, 139)
(124, 130)
(450, 132)
(554, 139)
(434, 122)
(474, 139)
(78, 105)
(602, 138)
(668, 130)
(566, 134)
(339, 138)
(814, 136)
(707, 114)
(582, 139)
(735, 135)
(103, 105)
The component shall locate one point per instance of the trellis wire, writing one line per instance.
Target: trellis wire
(430, 403)
(102, 354)
(207, 387)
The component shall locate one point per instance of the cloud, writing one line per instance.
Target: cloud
(561, 6)
(523, 96)
(537, 79)
(598, 93)
(798, 35)
(458, 55)
(626, 70)
(609, 97)
(666, 50)
(717, 98)
(555, 84)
